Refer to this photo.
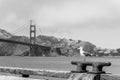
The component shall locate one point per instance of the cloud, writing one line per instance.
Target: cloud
(68, 13)
(1, 1)
(10, 18)
(14, 13)
(78, 13)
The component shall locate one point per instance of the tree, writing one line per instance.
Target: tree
(87, 46)
(118, 50)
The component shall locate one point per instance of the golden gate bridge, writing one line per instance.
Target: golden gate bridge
(32, 44)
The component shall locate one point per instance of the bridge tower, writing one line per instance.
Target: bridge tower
(32, 37)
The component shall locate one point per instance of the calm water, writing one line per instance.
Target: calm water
(56, 63)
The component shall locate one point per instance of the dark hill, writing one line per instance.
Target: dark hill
(47, 40)
(59, 47)
(8, 49)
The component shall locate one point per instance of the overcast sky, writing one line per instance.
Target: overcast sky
(97, 21)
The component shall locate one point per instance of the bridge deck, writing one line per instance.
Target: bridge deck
(15, 42)
(22, 43)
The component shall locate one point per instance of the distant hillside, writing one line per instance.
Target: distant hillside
(47, 40)
(68, 47)
(5, 34)
(59, 46)
(8, 49)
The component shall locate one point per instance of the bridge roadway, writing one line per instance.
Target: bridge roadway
(22, 43)
(36, 47)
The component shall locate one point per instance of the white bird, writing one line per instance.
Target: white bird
(81, 51)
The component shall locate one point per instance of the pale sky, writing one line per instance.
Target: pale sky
(96, 21)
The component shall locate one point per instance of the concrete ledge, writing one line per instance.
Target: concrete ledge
(2, 77)
(51, 73)
(110, 77)
(85, 76)
(37, 72)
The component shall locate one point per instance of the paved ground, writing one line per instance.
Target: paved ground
(31, 76)
(4, 77)
(56, 63)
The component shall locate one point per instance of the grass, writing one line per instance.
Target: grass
(57, 63)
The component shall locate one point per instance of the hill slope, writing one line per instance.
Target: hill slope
(59, 47)
(5, 34)
(8, 49)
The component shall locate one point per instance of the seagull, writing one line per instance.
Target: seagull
(81, 51)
